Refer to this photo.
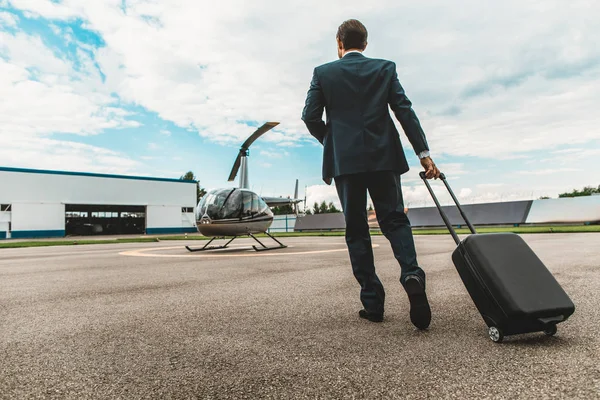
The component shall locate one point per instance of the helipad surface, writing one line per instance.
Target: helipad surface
(155, 321)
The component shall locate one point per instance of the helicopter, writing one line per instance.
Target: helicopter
(237, 211)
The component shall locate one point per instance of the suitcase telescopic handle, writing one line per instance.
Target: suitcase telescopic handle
(439, 207)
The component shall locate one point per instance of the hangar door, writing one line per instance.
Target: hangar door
(83, 219)
(5, 221)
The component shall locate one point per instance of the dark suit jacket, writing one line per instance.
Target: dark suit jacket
(359, 135)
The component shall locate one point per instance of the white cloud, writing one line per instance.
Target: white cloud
(48, 9)
(30, 52)
(165, 132)
(274, 154)
(490, 185)
(25, 152)
(320, 193)
(8, 19)
(525, 124)
(464, 192)
(212, 84)
(56, 29)
(234, 67)
(478, 91)
(549, 171)
(576, 154)
(42, 93)
(418, 196)
(288, 143)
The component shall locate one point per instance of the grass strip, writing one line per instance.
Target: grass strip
(74, 242)
(416, 231)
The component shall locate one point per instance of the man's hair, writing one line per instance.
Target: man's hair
(353, 34)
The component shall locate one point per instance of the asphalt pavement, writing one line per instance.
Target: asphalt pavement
(151, 320)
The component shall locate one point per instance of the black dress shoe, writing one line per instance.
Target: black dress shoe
(371, 317)
(420, 312)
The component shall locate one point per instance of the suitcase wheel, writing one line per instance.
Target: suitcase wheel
(550, 331)
(496, 334)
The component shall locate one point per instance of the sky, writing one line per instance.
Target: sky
(507, 92)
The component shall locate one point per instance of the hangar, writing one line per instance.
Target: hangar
(43, 203)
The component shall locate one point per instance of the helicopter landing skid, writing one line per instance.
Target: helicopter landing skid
(265, 248)
(207, 247)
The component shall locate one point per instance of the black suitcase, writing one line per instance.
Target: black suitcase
(510, 286)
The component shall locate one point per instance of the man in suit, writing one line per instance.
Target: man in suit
(362, 152)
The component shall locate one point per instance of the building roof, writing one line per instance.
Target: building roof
(91, 174)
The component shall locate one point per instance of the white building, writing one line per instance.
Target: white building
(41, 203)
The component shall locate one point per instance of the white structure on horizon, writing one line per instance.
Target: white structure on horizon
(43, 203)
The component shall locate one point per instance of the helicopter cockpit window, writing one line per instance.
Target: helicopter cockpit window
(216, 204)
(262, 206)
(247, 200)
(201, 208)
(254, 204)
(233, 206)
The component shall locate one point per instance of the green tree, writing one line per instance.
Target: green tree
(282, 210)
(332, 208)
(316, 209)
(544, 198)
(189, 176)
(323, 208)
(587, 191)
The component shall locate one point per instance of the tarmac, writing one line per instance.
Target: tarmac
(152, 320)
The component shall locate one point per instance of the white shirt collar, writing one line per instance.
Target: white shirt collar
(352, 51)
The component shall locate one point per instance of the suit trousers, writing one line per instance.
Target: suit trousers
(386, 193)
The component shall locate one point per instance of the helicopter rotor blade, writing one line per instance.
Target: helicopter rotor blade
(236, 167)
(267, 126)
(295, 197)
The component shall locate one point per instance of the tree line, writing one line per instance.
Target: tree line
(586, 191)
(322, 208)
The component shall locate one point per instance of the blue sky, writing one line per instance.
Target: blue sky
(507, 93)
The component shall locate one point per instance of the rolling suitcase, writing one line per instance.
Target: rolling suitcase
(510, 286)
